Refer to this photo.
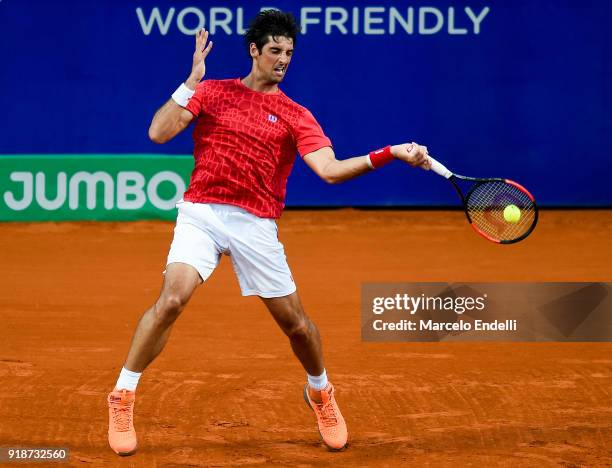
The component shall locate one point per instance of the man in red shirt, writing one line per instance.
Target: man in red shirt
(247, 132)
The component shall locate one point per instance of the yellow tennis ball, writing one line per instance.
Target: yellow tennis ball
(512, 214)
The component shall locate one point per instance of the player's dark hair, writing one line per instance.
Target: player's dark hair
(273, 23)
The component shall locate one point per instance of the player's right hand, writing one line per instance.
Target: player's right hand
(198, 69)
(412, 153)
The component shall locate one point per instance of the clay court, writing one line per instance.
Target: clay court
(227, 391)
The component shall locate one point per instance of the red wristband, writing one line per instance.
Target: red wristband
(381, 157)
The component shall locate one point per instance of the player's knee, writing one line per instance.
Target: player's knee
(300, 330)
(169, 306)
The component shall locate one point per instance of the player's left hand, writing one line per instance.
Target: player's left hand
(198, 67)
(412, 153)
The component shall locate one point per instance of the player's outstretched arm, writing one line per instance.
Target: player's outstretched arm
(172, 118)
(333, 171)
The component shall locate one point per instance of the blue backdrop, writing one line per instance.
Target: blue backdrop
(512, 88)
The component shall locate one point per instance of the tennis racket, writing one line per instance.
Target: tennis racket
(485, 202)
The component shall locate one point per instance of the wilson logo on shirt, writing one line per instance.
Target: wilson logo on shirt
(272, 118)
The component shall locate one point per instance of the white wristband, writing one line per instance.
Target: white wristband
(369, 161)
(182, 95)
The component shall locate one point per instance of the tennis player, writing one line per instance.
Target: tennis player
(247, 133)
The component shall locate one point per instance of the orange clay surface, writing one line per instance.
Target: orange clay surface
(227, 391)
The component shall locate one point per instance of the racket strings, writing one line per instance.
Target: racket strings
(486, 204)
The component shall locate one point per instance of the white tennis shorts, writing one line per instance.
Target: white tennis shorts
(204, 232)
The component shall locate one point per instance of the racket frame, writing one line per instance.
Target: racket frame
(441, 170)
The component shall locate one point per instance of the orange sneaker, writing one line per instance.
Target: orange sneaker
(121, 432)
(332, 427)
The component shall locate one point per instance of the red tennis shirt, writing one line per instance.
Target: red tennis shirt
(245, 144)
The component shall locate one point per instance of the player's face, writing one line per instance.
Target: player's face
(274, 59)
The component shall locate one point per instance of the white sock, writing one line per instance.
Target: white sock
(319, 382)
(128, 380)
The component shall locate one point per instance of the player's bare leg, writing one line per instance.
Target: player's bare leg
(301, 331)
(155, 324)
(306, 344)
(149, 339)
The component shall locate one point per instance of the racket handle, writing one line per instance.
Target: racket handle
(440, 169)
